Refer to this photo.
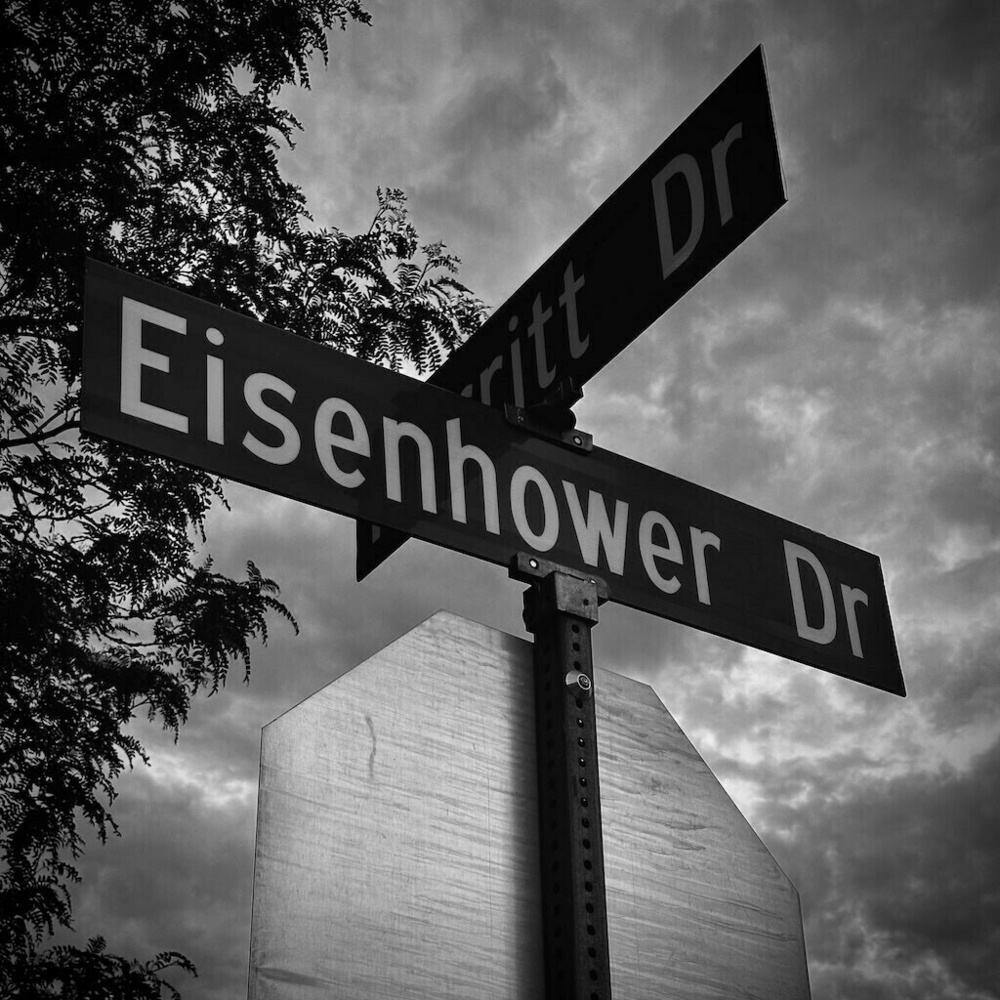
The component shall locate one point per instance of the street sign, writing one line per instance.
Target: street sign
(700, 194)
(185, 379)
(398, 841)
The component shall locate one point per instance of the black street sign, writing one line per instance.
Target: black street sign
(700, 194)
(179, 377)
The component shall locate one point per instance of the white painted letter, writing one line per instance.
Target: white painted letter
(719, 151)
(515, 368)
(687, 165)
(853, 597)
(458, 455)
(253, 389)
(550, 529)
(567, 300)
(596, 528)
(486, 377)
(215, 412)
(824, 635)
(135, 357)
(699, 541)
(393, 433)
(539, 317)
(358, 443)
(650, 551)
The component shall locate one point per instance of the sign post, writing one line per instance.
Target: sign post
(560, 608)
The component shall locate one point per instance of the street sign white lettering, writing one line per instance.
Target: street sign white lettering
(135, 357)
(458, 455)
(595, 529)
(825, 633)
(540, 541)
(357, 443)
(253, 392)
(239, 399)
(393, 433)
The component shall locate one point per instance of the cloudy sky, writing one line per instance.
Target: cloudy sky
(839, 369)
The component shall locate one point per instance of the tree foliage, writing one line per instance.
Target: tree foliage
(147, 135)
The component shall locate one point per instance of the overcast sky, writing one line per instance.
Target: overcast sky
(839, 369)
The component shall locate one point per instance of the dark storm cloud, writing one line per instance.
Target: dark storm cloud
(512, 110)
(897, 142)
(898, 878)
(503, 112)
(963, 685)
(179, 878)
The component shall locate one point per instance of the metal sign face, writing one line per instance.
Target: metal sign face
(398, 844)
(703, 191)
(182, 378)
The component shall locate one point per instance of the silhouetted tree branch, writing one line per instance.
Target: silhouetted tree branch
(127, 137)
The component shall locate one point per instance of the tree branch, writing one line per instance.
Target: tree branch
(41, 436)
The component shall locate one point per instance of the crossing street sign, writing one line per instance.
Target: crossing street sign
(700, 194)
(179, 377)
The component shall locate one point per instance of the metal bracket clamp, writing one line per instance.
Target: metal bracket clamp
(560, 610)
(528, 421)
(553, 418)
(563, 589)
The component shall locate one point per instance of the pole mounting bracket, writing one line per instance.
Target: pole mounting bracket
(556, 588)
(553, 418)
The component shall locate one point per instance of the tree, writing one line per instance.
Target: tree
(127, 137)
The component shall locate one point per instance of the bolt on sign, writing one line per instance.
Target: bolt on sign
(180, 377)
(698, 196)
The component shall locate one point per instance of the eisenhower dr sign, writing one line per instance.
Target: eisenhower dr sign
(185, 379)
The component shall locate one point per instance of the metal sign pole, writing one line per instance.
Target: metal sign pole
(560, 609)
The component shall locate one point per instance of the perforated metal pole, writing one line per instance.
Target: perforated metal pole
(560, 610)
